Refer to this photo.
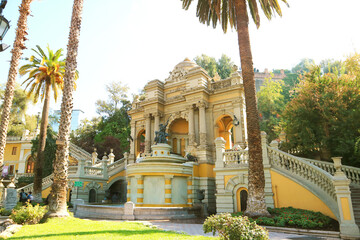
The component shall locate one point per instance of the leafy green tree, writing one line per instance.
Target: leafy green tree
(85, 134)
(19, 121)
(303, 66)
(45, 72)
(224, 66)
(323, 117)
(235, 13)
(331, 65)
(117, 96)
(50, 150)
(271, 105)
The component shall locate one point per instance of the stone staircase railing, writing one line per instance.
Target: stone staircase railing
(234, 159)
(116, 166)
(303, 169)
(351, 173)
(46, 182)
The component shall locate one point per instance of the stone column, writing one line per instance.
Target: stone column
(191, 130)
(238, 130)
(168, 196)
(94, 157)
(81, 166)
(132, 142)
(220, 149)
(128, 191)
(111, 156)
(140, 189)
(202, 120)
(190, 191)
(105, 161)
(147, 133)
(156, 122)
(348, 227)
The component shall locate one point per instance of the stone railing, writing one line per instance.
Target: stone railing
(25, 174)
(351, 173)
(72, 170)
(303, 169)
(116, 164)
(236, 158)
(93, 171)
(46, 182)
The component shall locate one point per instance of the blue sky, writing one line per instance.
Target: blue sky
(141, 40)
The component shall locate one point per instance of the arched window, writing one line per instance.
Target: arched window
(30, 163)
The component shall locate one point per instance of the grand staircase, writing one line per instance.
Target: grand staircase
(355, 198)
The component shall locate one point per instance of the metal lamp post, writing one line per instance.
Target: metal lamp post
(4, 26)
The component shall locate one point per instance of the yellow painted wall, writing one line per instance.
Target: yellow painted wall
(45, 192)
(8, 152)
(204, 170)
(119, 174)
(179, 126)
(227, 178)
(288, 193)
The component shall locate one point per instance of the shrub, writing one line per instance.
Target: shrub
(28, 214)
(231, 228)
(4, 212)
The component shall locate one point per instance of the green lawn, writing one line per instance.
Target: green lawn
(74, 228)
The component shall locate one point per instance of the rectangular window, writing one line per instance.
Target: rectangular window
(14, 151)
(11, 170)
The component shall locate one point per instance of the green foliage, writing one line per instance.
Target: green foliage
(5, 212)
(49, 153)
(23, 181)
(224, 66)
(112, 129)
(304, 66)
(291, 217)
(270, 105)
(19, 121)
(28, 214)
(232, 228)
(323, 117)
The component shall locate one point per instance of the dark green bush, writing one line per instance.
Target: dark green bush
(4, 212)
(28, 214)
(234, 228)
(293, 217)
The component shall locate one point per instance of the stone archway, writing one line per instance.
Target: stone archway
(224, 126)
(178, 135)
(92, 196)
(236, 185)
(140, 142)
(118, 191)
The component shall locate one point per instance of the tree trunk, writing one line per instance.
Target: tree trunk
(41, 149)
(19, 45)
(256, 199)
(58, 194)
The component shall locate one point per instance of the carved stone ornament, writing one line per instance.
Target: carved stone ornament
(177, 75)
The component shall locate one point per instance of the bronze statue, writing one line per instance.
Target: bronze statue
(160, 136)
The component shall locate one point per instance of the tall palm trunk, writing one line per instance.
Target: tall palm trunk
(256, 199)
(42, 142)
(57, 205)
(19, 45)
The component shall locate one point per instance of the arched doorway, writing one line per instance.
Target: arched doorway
(178, 135)
(118, 191)
(92, 196)
(30, 164)
(241, 199)
(140, 142)
(225, 130)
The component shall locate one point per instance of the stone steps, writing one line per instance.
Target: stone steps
(355, 198)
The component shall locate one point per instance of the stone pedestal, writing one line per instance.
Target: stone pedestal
(129, 211)
(10, 198)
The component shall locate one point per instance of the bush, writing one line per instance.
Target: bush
(28, 214)
(4, 212)
(233, 228)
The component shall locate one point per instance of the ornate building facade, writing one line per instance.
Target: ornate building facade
(197, 110)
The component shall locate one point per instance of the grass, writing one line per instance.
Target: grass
(74, 228)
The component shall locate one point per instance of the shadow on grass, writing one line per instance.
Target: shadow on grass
(117, 232)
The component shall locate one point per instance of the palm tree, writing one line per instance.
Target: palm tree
(57, 201)
(45, 72)
(235, 13)
(19, 46)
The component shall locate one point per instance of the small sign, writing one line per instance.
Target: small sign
(78, 184)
